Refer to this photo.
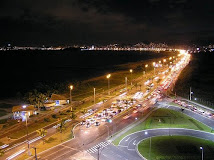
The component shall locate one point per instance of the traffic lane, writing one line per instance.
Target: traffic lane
(112, 152)
(59, 150)
(139, 136)
(131, 140)
(199, 117)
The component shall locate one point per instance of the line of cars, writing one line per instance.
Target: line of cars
(106, 115)
(194, 108)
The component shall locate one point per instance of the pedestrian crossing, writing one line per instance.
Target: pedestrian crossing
(100, 146)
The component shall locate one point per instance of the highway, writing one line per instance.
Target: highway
(94, 138)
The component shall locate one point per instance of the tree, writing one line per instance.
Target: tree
(41, 132)
(61, 127)
(73, 116)
(36, 98)
(1, 152)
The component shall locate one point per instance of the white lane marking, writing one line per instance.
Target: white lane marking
(134, 142)
(127, 139)
(15, 154)
(95, 148)
(35, 139)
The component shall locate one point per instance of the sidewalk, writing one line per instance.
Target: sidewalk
(83, 155)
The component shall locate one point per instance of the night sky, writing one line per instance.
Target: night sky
(58, 22)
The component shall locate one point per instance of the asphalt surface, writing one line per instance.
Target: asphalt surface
(127, 148)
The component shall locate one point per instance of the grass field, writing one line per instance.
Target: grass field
(176, 148)
(166, 118)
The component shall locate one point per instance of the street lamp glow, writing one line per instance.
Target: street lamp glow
(164, 60)
(71, 87)
(170, 58)
(131, 70)
(159, 61)
(24, 106)
(108, 76)
(153, 63)
(146, 65)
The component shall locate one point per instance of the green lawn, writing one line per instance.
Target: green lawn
(166, 118)
(176, 148)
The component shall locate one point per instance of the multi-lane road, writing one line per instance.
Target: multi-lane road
(127, 148)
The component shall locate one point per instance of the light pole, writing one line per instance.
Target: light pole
(131, 75)
(146, 66)
(71, 88)
(190, 93)
(94, 94)
(26, 123)
(108, 77)
(35, 153)
(126, 82)
(202, 153)
(108, 129)
(150, 144)
(154, 66)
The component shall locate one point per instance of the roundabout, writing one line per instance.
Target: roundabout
(129, 144)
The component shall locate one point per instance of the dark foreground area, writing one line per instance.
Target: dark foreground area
(199, 75)
(26, 70)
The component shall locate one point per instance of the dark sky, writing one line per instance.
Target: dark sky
(56, 22)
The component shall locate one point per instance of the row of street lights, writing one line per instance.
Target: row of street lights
(131, 71)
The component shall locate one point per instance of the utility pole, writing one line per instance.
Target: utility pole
(28, 146)
(126, 82)
(35, 153)
(150, 148)
(98, 149)
(190, 94)
(94, 94)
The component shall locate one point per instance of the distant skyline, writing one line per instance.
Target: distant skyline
(64, 22)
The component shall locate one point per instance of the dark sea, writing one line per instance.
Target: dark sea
(22, 71)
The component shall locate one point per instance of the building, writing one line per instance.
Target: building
(59, 99)
(50, 105)
(21, 111)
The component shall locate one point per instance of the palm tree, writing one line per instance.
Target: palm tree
(61, 127)
(42, 132)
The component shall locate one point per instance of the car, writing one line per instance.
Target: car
(126, 117)
(92, 121)
(110, 116)
(82, 122)
(135, 111)
(103, 119)
(88, 125)
(97, 123)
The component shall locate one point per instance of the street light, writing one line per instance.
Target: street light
(71, 88)
(26, 123)
(108, 77)
(146, 66)
(150, 144)
(190, 93)
(94, 94)
(154, 66)
(131, 75)
(202, 153)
